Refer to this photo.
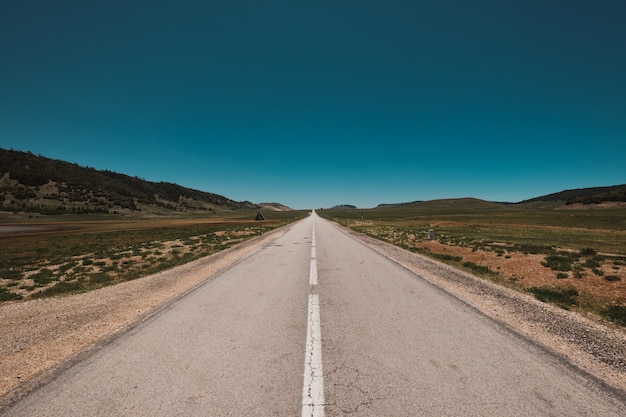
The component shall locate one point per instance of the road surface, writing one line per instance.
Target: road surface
(318, 324)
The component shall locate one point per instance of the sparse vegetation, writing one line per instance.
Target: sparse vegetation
(579, 245)
(78, 262)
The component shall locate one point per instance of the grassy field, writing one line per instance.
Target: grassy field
(572, 257)
(71, 255)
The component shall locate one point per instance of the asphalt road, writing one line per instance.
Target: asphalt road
(318, 324)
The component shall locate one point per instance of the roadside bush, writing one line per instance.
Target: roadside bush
(101, 278)
(559, 262)
(616, 314)
(562, 297)
(6, 295)
(63, 287)
(588, 252)
(593, 262)
(579, 271)
(43, 277)
(478, 268)
(11, 273)
(446, 257)
(526, 248)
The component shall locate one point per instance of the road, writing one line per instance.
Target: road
(318, 324)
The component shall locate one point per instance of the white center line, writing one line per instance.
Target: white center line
(313, 387)
(313, 269)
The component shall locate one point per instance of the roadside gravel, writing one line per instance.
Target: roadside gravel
(595, 347)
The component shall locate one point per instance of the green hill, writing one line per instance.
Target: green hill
(36, 184)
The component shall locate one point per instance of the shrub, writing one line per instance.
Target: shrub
(579, 271)
(43, 277)
(562, 275)
(446, 257)
(477, 268)
(562, 297)
(588, 252)
(559, 262)
(62, 287)
(6, 295)
(11, 273)
(613, 278)
(598, 272)
(616, 314)
(101, 278)
(592, 263)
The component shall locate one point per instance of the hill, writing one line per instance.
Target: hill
(389, 205)
(594, 195)
(36, 184)
(274, 207)
(344, 206)
(583, 196)
(466, 202)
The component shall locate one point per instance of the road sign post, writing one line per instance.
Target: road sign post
(260, 217)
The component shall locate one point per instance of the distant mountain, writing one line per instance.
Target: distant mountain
(32, 183)
(595, 195)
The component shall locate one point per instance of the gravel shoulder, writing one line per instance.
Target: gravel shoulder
(40, 337)
(598, 349)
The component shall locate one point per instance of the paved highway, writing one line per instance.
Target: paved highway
(317, 324)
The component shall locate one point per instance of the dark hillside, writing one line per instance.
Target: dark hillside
(595, 195)
(344, 206)
(37, 184)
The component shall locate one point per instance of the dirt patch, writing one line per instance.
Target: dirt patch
(528, 271)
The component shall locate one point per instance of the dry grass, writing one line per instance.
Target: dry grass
(73, 257)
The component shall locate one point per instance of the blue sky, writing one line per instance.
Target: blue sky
(318, 103)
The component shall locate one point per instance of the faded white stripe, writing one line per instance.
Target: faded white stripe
(313, 388)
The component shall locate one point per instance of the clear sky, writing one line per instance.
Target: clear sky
(318, 103)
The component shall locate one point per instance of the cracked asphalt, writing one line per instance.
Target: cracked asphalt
(392, 344)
